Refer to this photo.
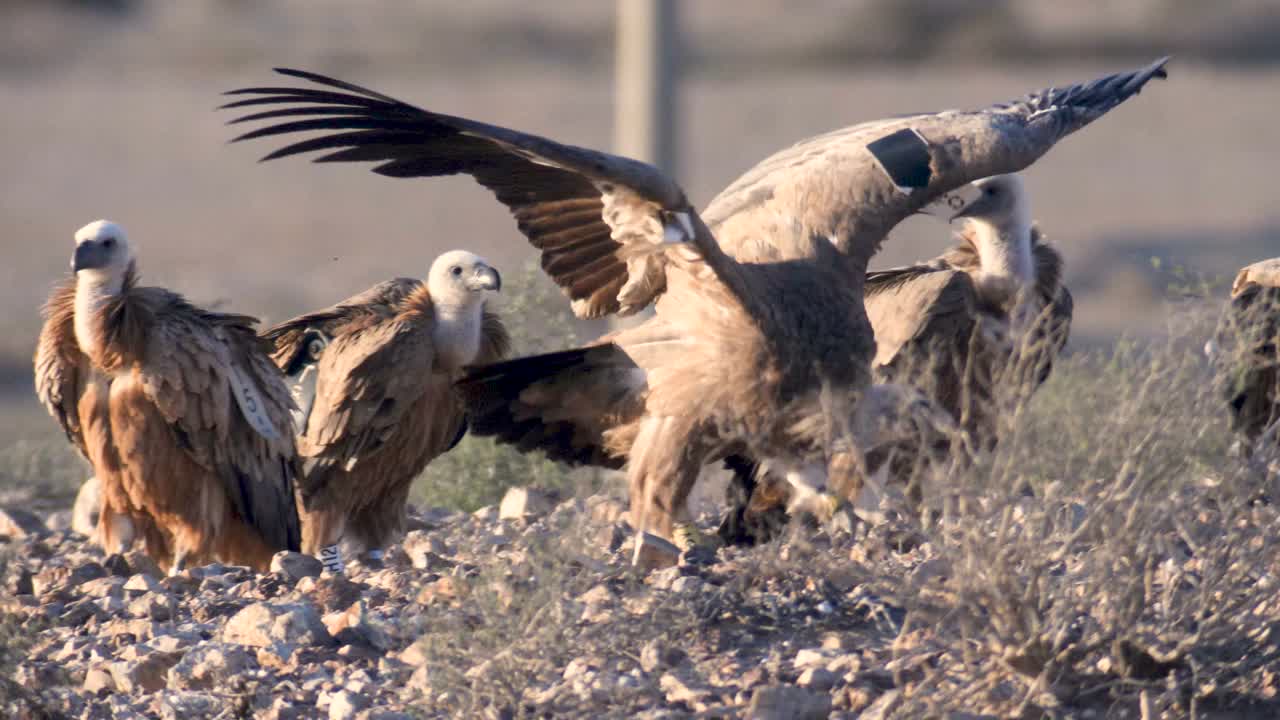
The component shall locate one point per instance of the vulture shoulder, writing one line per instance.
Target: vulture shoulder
(289, 339)
(62, 371)
(210, 377)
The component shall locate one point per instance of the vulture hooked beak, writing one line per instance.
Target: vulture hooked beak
(485, 278)
(89, 256)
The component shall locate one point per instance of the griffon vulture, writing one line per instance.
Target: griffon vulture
(759, 327)
(180, 411)
(1251, 362)
(975, 329)
(373, 376)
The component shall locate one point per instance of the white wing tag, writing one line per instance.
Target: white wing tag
(251, 404)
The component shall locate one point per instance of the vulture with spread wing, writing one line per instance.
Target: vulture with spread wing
(760, 339)
(179, 410)
(976, 330)
(373, 378)
(1249, 342)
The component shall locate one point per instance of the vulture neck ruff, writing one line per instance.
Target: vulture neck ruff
(95, 289)
(456, 334)
(1005, 259)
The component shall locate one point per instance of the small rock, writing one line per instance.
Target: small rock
(810, 657)
(209, 665)
(183, 705)
(929, 570)
(523, 502)
(606, 510)
(269, 625)
(84, 514)
(117, 565)
(787, 702)
(657, 655)
(16, 524)
(683, 691)
(343, 705)
(883, 706)
(142, 584)
(111, 586)
(58, 520)
(354, 626)
(97, 681)
(426, 552)
(331, 592)
(156, 606)
(611, 537)
(141, 563)
(816, 678)
(147, 674)
(654, 553)
(687, 584)
(62, 577)
(486, 514)
(295, 566)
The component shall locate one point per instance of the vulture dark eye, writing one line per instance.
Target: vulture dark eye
(993, 191)
(455, 270)
(109, 243)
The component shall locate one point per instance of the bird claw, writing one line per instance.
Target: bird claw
(687, 537)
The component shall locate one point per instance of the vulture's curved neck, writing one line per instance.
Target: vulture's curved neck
(456, 333)
(95, 290)
(1006, 262)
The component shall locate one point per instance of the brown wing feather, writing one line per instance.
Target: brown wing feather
(376, 303)
(367, 379)
(590, 213)
(191, 363)
(495, 341)
(61, 370)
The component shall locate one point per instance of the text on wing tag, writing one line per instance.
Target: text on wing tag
(251, 404)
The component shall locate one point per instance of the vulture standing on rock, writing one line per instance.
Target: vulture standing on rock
(180, 411)
(760, 343)
(975, 329)
(373, 377)
(1252, 334)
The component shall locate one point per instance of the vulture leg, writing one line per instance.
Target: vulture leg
(663, 468)
(179, 562)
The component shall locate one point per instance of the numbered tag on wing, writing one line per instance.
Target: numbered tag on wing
(302, 376)
(948, 204)
(250, 402)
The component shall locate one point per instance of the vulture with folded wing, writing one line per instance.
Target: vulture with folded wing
(976, 330)
(180, 411)
(373, 378)
(1248, 344)
(760, 341)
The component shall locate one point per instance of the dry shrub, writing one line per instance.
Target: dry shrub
(1111, 552)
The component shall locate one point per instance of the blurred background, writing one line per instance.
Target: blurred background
(107, 110)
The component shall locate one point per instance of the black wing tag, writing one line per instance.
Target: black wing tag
(904, 157)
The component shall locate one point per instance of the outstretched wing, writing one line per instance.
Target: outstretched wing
(211, 379)
(597, 218)
(854, 185)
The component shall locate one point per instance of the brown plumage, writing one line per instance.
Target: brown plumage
(759, 329)
(976, 330)
(1249, 340)
(180, 411)
(378, 395)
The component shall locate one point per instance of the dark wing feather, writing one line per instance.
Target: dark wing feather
(588, 212)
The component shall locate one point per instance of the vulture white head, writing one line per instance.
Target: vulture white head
(999, 224)
(461, 278)
(102, 257)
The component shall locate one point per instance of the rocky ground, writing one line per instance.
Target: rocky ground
(475, 614)
(529, 611)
